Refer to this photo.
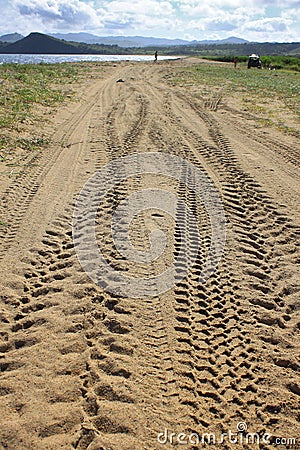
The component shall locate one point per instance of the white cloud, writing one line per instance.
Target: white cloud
(199, 10)
(209, 19)
(59, 13)
(223, 4)
(137, 15)
(268, 24)
(279, 3)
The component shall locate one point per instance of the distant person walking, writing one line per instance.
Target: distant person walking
(235, 61)
(155, 56)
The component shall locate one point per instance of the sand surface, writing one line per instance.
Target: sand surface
(85, 369)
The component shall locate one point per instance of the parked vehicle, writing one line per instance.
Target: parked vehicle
(254, 61)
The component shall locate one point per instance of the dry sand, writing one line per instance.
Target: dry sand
(82, 368)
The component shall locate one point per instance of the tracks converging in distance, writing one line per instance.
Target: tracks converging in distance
(113, 372)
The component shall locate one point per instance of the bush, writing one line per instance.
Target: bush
(279, 62)
(227, 58)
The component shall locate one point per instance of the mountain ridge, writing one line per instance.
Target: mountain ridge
(11, 37)
(138, 41)
(38, 43)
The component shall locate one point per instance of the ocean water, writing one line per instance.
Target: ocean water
(36, 59)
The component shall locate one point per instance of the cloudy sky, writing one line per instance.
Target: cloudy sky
(259, 20)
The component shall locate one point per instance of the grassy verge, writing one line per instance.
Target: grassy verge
(273, 97)
(278, 62)
(28, 94)
(23, 87)
(260, 84)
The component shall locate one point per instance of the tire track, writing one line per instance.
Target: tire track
(110, 372)
(288, 153)
(18, 196)
(254, 216)
(52, 286)
(117, 144)
(246, 204)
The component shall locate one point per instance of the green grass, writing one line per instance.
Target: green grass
(24, 87)
(28, 93)
(279, 62)
(257, 84)
(8, 145)
(282, 62)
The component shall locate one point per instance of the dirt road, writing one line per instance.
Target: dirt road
(82, 368)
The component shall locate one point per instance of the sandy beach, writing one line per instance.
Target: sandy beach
(85, 368)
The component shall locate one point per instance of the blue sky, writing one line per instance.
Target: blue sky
(258, 20)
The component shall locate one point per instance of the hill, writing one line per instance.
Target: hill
(264, 48)
(229, 40)
(121, 41)
(138, 41)
(12, 37)
(38, 43)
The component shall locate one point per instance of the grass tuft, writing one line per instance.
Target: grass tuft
(23, 87)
